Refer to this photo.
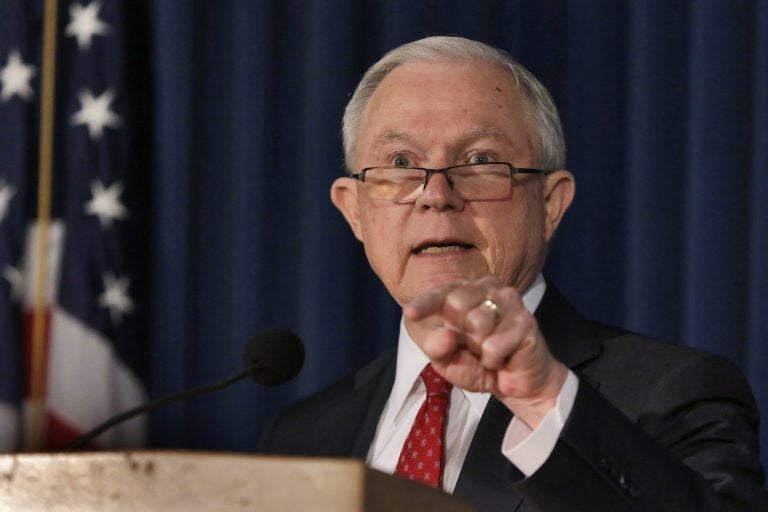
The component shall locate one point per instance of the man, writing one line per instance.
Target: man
(457, 188)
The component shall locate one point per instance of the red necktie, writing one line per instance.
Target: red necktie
(422, 456)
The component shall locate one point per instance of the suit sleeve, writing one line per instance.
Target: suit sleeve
(693, 446)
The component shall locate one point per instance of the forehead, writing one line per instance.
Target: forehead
(435, 101)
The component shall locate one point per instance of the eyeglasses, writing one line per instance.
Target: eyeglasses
(472, 182)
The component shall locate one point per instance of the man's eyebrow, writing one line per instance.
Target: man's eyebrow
(392, 135)
(488, 132)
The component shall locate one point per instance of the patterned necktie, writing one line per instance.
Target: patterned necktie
(422, 456)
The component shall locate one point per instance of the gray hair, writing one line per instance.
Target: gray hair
(446, 49)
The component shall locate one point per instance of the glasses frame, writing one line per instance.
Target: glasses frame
(445, 171)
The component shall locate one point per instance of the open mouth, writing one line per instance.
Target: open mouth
(441, 248)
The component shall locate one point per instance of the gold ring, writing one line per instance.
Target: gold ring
(493, 307)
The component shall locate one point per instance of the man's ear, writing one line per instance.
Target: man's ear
(344, 195)
(559, 190)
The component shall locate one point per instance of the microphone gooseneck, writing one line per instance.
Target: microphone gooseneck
(272, 357)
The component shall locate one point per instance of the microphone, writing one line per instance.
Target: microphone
(272, 357)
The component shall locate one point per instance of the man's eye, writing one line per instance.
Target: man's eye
(480, 158)
(401, 161)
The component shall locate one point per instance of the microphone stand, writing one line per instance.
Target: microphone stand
(159, 402)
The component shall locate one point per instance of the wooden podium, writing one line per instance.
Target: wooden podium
(205, 481)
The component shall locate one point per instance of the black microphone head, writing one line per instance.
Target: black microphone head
(277, 354)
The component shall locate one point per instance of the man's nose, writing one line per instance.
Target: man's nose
(440, 194)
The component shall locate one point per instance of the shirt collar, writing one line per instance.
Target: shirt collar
(411, 360)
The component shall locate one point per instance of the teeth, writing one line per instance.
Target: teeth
(440, 249)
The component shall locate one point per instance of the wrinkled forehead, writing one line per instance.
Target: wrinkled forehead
(450, 137)
(427, 80)
(425, 100)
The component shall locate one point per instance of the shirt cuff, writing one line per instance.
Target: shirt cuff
(528, 449)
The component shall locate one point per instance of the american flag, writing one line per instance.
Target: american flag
(92, 252)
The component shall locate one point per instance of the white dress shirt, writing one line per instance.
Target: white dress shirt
(525, 448)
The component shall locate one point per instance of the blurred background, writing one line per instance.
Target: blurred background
(194, 144)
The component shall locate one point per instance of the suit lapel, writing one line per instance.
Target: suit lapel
(573, 339)
(371, 391)
(484, 478)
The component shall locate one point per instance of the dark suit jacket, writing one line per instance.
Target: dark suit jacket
(654, 427)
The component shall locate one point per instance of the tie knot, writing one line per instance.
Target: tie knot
(436, 385)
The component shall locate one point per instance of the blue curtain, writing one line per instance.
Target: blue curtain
(665, 109)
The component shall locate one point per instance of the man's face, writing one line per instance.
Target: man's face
(437, 115)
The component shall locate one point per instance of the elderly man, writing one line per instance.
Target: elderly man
(499, 391)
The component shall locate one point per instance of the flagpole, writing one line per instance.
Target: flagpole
(36, 426)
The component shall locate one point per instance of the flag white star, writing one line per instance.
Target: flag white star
(84, 23)
(15, 77)
(105, 203)
(7, 191)
(115, 297)
(95, 112)
(16, 278)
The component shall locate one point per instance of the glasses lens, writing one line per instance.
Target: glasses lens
(480, 182)
(394, 183)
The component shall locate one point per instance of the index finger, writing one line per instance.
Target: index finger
(429, 303)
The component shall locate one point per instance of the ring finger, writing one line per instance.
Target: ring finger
(481, 321)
